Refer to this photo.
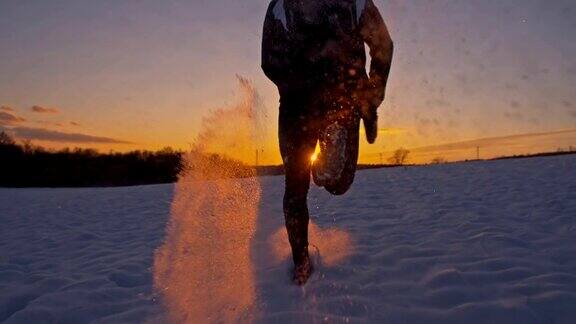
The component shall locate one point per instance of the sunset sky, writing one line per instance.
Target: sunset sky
(141, 74)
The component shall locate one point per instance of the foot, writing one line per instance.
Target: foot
(302, 272)
(332, 158)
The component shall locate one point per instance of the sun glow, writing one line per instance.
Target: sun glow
(313, 157)
(316, 153)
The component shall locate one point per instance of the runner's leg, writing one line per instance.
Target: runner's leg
(341, 184)
(339, 141)
(297, 142)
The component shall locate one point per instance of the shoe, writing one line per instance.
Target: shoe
(331, 160)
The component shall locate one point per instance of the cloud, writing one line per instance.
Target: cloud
(490, 141)
(42, 134)
(48, 123)
(390, 131)
(7, 118)
(514, 115)
(75, 123)
(6, 108)
(44, 110)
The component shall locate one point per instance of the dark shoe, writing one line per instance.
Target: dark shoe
(331, 160)
(302, 272)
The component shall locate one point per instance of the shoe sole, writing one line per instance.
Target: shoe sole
(332, 159)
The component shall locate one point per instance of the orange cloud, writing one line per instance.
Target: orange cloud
(48, 123)
(7, 118)
(7, 108)
(389, 131)
(42, 134)
(491, 141)
(392, 131)
(44, 110)
(496, 146)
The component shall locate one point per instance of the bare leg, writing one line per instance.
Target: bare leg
(297, 143)
(296, 209)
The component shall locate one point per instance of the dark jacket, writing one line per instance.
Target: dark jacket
(319, 46)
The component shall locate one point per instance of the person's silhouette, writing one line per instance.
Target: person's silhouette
(313, 50)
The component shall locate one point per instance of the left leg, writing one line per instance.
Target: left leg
(297, 141)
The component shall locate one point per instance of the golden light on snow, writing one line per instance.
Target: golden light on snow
(336, 244)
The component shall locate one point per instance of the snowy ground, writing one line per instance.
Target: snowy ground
(486, 242)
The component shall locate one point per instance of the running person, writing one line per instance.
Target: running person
(313, 50)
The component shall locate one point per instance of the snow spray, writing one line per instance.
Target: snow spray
(335, 245)
(203, 271)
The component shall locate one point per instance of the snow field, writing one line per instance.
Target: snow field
(481, 242)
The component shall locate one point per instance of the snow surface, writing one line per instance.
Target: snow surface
(482, 242)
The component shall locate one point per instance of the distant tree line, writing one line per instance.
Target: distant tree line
(27, 165)
(24, 164)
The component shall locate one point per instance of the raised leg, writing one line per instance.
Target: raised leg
(338, 158)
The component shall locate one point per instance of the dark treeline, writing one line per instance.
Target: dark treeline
(27, 165)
